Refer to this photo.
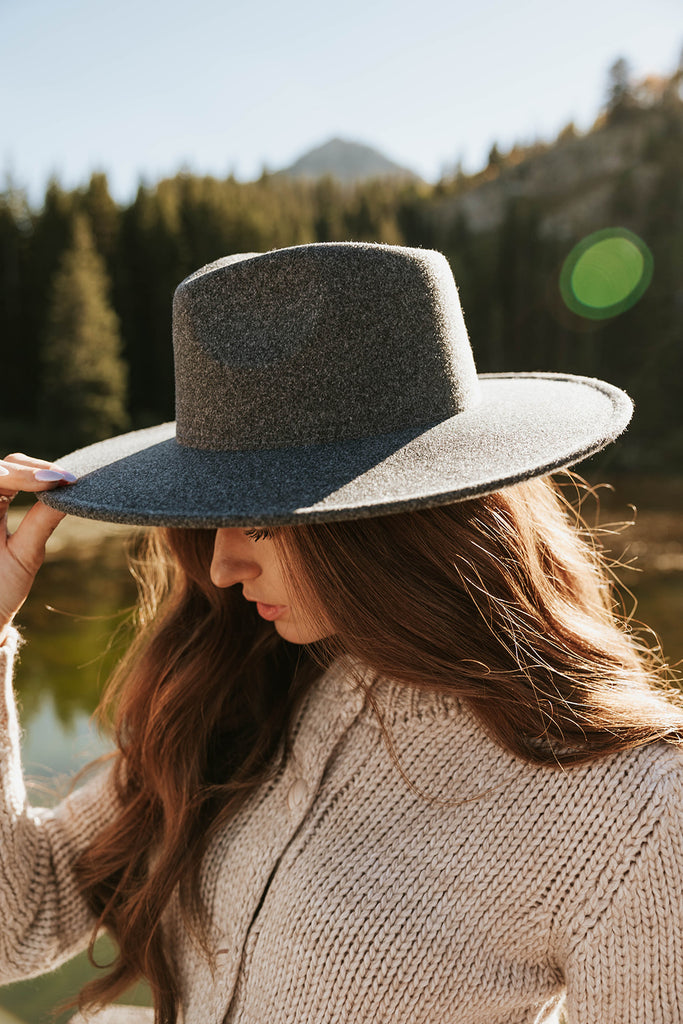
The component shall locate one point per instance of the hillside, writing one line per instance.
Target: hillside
(573, 182)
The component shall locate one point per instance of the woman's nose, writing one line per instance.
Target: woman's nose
(232, 560)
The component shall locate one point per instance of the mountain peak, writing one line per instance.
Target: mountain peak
(348, 162)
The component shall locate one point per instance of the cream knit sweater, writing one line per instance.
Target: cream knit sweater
(341, 895)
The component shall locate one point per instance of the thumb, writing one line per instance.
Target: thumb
(28, 541)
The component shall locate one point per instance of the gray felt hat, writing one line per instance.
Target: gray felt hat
(333, 381)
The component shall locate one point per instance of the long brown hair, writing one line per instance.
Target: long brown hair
(501, 600)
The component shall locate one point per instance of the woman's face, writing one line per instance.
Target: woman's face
(250, 557)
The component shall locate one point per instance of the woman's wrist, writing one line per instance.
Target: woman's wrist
(6, 632)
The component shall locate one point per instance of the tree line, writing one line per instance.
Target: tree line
(86, 283)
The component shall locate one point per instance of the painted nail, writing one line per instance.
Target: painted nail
(68, 476)
(48, 475)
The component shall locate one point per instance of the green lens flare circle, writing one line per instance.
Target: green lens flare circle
(606, 273)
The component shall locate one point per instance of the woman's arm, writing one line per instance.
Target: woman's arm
(628, 966)
(44, 918)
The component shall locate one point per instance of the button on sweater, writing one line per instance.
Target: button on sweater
(462, 885)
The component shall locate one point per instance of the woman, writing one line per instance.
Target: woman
(385, 752)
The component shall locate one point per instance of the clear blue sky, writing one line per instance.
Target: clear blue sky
(140, 88)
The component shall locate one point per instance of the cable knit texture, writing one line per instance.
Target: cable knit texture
(478, 894)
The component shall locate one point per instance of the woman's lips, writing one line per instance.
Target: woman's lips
(270, 611)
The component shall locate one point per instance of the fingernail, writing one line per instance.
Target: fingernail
(3, 471)
(45, 475)
(68, 476)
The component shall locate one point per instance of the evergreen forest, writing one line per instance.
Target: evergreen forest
(86, 283)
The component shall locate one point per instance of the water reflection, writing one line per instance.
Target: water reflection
(54, 748)
(76, 623)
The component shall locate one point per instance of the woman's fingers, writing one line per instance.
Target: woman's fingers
(19, 472)
(22, 553)
(5, 499)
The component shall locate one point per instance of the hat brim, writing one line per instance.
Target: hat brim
(525, 425)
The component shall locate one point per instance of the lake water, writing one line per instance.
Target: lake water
(71, 621)
(74, 623)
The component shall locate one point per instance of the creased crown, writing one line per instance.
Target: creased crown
(315, 343)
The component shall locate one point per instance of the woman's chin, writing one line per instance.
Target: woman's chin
(299, 634)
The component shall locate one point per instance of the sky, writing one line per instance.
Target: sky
(143, 88)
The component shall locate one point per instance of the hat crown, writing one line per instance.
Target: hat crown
(318, 343)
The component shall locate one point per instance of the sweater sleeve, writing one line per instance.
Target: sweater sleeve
(45, 920)
(628, 966)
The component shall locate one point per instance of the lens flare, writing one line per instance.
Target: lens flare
(606, 273)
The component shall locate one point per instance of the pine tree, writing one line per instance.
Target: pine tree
(84, 376)
(495, 158)
(17, 355)
(103, 214)
(621, 100)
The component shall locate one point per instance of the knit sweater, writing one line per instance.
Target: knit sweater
(468, 888)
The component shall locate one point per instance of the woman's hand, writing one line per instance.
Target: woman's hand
(22, 553)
